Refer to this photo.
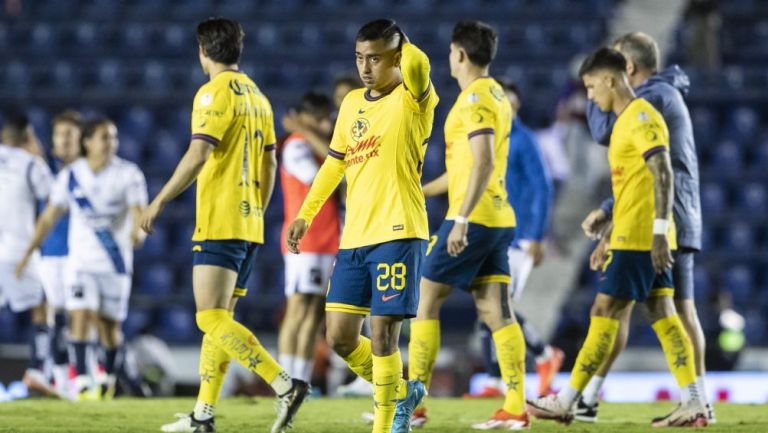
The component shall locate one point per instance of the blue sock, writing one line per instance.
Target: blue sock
(110, 359)
(489, 351)
(81, 364)
(39, 345)
(58, 340)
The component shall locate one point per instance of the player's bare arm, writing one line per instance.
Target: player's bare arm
(600, 253)
(185, 174)
(437, 186)
(663, 191)
(482, 169)
(318, 143)
(267, 178)
(50, 216)
(137, 235)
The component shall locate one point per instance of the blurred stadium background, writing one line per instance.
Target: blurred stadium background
(137, 62)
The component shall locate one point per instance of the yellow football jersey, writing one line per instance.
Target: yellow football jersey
(232, 114)
(481, 108)
(639, 132)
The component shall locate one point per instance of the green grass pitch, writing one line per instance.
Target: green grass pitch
(330, 416)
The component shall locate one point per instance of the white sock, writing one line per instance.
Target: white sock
(61, 376)
(203, 411)
(701, 383)
(303, 369)
(287, 362)
(83, 382)
(282, 383)
(592, 392)
(546, 355)
(690, 393)
(568, 395)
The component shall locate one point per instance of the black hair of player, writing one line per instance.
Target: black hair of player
(221, 39)
(478, 39)
(315, 104)
(380, 29)
(15, 121)
(90, 127)
(604, 59)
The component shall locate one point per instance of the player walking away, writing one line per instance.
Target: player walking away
(306, 275)
(529, 190)
(665, 91)
(469, 250)
(24, 180)
(378, 143)
(231, 155)
(104, 196)
(637, 266)
(67, 128)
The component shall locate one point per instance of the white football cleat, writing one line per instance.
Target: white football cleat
(691, 414)
(550, 407)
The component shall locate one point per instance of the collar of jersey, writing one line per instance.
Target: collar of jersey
(369, 97)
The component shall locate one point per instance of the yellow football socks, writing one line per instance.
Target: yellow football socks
(422, 350)
(388, 387)
(214, 363)
(596, 349)
(510, 351)
(360, 360)
(242, 346)
(677, 349)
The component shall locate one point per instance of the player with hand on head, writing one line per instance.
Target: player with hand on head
(378, 143)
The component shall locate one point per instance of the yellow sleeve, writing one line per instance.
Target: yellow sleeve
(211, 115)
(415, 68)
(330, 173)
(325, 183)
(650, 134)
(478, 112)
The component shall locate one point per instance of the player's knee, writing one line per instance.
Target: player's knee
(660, 307)
(208, 320)
(342, 344)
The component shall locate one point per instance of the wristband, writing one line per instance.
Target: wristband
(460, 220)
(660, 226)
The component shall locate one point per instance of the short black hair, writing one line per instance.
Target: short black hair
(641, 49)
(68, 116)
(347, 80)
(221, 39)
(90, 127)
(15, 126)
(379, 29)
(478, 39)
(315, 104)
(604, 58)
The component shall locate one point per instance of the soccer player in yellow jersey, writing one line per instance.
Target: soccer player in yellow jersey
(469, 250)
(231, 156)
(378, 143)
(638, 265)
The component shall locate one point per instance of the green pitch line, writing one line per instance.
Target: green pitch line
(330, 416)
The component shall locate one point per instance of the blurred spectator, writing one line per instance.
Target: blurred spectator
(702, 44)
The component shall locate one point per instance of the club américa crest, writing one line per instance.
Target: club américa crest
(360, 127)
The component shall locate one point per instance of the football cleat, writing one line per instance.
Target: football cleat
(503, 420)
(187, 423)
(711, 414)
(487, 392)
(547, 369)
(35, 381)
(288, 404)
(419, 417)
(691, 414)
(550, 407)
(406, 406)
(585, 412)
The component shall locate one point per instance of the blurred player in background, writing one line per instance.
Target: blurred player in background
(637, 268)
(529, 190)
(665, 91)
(24, 181)
(307, 274)
(231, 156)
(469, 250)
(104, 196)
(67, 128)
(378, 143)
